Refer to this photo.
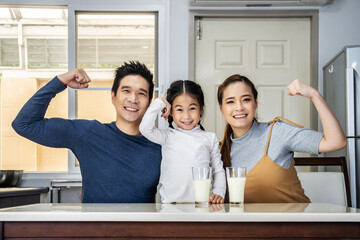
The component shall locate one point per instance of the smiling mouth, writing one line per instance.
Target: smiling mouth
(187, 123)
(130, 109)
(240, 116)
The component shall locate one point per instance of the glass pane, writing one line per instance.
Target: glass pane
(44, 47)
(4, 13)
(42, 13)
(105, 41)
(47, 53)
(96, 104)
(9, 55)
(110, 39)
(87, 47)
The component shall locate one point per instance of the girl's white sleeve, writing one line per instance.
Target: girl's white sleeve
(219, 184)
(147, 125)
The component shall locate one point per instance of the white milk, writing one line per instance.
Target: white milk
(236, 189)
(202, 190)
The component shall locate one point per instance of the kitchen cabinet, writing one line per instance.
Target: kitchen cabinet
(186, 221)
(11, 197)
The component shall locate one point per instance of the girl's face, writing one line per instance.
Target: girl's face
(185, 111)
(238, 106)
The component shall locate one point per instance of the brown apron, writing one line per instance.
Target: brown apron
(267, 182)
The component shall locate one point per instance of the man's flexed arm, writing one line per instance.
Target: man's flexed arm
(54, 132)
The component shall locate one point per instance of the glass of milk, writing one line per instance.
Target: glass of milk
(236, 177)
(202, 182)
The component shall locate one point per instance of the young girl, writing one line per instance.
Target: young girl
(185, 144)
(267, 149)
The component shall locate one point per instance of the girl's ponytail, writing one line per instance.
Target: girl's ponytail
(170, 120)
(201, 127)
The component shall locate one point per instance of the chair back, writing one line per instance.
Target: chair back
(325, 187)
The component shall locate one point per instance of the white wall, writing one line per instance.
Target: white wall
(338, 27)
(179, 40)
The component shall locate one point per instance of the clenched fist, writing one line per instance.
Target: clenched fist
(76, 78)
(301, 89)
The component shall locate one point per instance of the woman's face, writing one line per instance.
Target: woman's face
(238, 106)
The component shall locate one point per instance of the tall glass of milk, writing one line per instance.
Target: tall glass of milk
(236, 177)
(202, 182)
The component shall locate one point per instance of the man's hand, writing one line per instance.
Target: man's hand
(77, 79)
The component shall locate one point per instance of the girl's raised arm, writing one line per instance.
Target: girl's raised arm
(147, 126)
(334, 138)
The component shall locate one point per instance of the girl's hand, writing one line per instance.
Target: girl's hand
(299, 88)
(166, 110)
(214, 198)
(216, 207)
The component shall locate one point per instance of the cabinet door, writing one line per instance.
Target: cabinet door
(19, 200)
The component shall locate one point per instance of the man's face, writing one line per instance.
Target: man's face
(131, 100)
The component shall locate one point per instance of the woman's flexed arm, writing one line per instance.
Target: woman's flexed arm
(334, 138)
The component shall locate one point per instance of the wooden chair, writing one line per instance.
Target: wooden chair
(326, 187)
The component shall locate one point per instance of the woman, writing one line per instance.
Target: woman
(267, 149)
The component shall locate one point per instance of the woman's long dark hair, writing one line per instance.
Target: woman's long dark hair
(185, 86)
(225, 147)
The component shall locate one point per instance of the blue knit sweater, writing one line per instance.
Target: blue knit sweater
(115, 167)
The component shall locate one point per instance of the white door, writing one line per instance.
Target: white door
(270, 52)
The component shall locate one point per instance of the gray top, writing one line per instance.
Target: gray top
(285, 139)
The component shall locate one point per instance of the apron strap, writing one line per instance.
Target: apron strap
(277, 119)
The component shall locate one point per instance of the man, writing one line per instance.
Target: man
(117, 163)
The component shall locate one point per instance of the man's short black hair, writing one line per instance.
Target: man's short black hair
(133, 68)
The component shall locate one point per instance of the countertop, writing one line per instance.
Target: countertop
(16, 191)
(255, 212)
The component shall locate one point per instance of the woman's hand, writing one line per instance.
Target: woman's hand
(298, 88)
(166, 110)
(214, 198)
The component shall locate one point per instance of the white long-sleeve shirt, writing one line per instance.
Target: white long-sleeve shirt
(182, 150)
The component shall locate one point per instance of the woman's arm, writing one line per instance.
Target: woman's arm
(334, 138)
(219, 185)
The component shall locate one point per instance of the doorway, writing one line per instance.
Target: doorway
(270, 50)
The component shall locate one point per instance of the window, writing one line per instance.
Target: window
(102, 53)
(40, 37)
(105, 41)
(9, 55)
(46, 53)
